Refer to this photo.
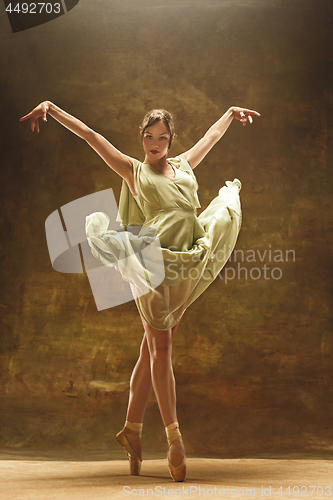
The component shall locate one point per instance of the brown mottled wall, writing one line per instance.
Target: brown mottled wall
(253, 355)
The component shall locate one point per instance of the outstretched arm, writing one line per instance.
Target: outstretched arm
(197, 153)
(116, 160)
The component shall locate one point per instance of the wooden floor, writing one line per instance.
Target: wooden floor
(215, 478)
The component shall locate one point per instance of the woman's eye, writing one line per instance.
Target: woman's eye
(163, 138)
(148, 137)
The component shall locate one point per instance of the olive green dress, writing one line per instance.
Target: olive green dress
(176, 254)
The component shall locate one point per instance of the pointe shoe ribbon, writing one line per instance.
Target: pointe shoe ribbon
(125, 441)
(178, 473)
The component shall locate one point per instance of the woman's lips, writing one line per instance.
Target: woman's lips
(154, 152)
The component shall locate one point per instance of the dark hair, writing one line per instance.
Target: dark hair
(156, 115)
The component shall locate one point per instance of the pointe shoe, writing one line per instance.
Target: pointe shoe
(125, 441)
(178, 473)
(173, 434)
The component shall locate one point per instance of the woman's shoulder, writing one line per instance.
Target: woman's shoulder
(180, 162)
(136, 166)
(135, 162)
(131, 180)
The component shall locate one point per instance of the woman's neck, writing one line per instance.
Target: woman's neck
(161, 164)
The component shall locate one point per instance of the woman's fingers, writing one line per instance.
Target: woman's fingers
(245, 115)
(34, 115)
(250, 112)
(34, 124)
(242, 118)
(25, 117)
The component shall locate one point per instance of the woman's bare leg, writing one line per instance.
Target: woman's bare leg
(141, 383)
(140, 389)
(163, 381)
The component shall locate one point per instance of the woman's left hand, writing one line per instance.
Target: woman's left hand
(243, 114)
(39, 111)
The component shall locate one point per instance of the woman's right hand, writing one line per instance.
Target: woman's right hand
(40, 111)
(120, 163)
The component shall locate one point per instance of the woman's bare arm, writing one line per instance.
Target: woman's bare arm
(116, 160)
(197, 153)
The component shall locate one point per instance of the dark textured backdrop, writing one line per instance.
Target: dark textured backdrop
(252, 357)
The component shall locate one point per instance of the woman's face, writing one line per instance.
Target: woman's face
(156, 140)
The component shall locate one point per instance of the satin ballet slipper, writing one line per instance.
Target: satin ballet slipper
(178, 473)
(125, 441)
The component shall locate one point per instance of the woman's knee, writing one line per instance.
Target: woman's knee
(159, 344)
(160, 354)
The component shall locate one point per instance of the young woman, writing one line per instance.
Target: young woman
(160, 194)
